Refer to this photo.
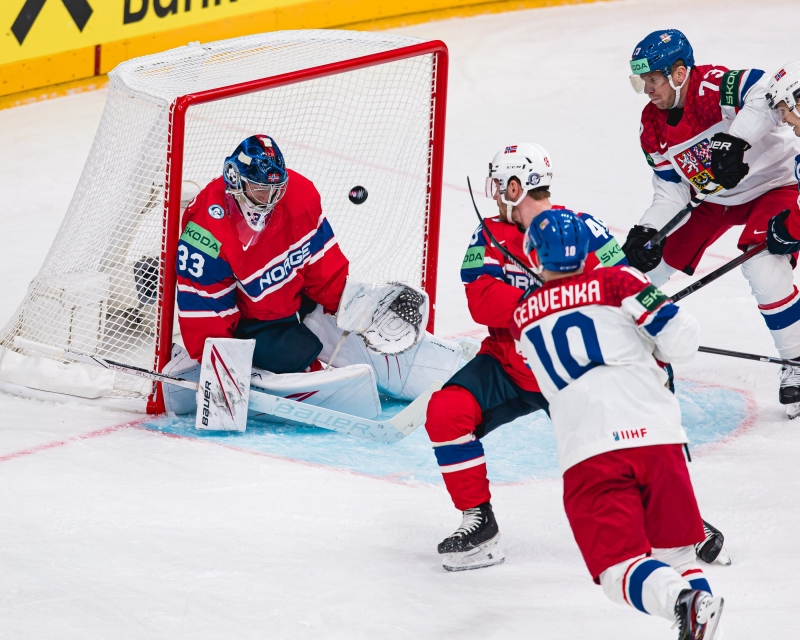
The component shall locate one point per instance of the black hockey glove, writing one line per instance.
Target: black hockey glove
(778, 239)
(643, 259)
(727, 159)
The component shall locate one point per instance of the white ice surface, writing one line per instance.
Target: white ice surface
(116, 532)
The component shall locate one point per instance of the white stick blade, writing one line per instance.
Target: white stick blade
(414, 414)
(224, 390)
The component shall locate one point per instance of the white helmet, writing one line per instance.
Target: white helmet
(529, 163)
(784, 86)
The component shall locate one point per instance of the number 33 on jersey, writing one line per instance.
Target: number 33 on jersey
(590, 340)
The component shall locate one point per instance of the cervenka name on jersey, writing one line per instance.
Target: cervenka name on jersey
(591, 340)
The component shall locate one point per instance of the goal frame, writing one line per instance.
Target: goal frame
(174, 174)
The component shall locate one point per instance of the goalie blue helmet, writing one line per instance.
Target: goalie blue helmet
(561, 241)
(658, 52)
(255, 174)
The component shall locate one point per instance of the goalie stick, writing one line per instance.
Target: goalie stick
(675, 221)
(508, 255)
(387, 431)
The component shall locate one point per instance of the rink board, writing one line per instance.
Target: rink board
(520, 451)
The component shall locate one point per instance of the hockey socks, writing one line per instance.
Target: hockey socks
(654, 584)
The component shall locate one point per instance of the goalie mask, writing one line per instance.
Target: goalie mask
(256, 177)
(529, 163)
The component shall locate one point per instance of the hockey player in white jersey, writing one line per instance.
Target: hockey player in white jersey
(706, 125)
(592, 339)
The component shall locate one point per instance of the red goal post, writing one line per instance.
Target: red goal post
(174, 174)
(347, 108)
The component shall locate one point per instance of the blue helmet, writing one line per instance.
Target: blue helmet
(561, 240)
(255, 174)
(659, 51)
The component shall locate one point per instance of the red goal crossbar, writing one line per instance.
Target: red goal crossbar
(174, 175)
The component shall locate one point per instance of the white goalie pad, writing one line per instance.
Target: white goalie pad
(390, 318)
(404, 376)
(347, 389)
(224, 390)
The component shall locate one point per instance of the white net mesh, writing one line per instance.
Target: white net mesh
(100, 288)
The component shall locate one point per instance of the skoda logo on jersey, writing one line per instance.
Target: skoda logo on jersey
(216, 212)
(534, 179)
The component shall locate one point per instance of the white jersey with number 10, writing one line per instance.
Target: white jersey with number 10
(592, 341)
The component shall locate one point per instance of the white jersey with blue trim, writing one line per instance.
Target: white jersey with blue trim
(592, 341)
(676, 141)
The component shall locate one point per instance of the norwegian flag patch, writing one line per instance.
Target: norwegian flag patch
(511, 149)
(780, 74)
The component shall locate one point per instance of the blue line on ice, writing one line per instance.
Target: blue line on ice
(519, 451)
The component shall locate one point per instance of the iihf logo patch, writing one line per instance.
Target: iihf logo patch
(216, 212)
(534, 179)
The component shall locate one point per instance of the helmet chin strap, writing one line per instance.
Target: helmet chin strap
(511, 205)
(678, 88)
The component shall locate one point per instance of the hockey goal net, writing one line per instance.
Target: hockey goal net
(348, 109)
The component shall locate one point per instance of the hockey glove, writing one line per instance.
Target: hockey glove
(779, 241)
(727, 160)
(639, 257)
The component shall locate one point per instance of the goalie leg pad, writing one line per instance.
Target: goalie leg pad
(349, 389)
(403, 376)
(178, 400)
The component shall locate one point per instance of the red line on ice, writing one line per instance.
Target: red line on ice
(60, 443)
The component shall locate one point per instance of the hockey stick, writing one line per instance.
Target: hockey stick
(728, 266)
(749, 356)
(508, 255)
(695, 202)
(388, 431)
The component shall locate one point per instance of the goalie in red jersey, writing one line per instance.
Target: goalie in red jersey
(257, 259)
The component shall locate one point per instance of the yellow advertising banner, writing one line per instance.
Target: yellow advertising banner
(44, 43)
(36, 28)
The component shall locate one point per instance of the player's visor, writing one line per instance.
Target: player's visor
(493, 187)
(637, 83)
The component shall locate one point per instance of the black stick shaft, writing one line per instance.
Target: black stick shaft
(508, 255)
(728, 266)
(748, 356)
(678, 217)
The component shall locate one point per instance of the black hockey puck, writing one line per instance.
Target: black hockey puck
(358, 195)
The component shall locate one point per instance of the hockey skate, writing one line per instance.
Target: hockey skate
(789, 393)
(712, 549)
(474, 544)
(697, 615)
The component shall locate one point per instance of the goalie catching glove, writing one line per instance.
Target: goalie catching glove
(390, 318)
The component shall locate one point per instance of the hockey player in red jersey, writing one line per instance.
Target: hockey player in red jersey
(591, 338)
(255, 243)
(257, 259)
(496, 386)
(706, 124)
